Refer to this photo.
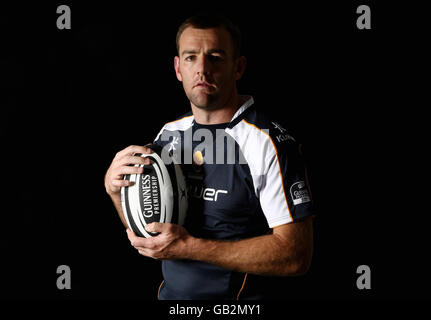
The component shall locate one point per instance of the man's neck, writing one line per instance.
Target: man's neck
(221, 115)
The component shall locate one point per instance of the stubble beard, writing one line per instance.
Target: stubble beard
(209, 101)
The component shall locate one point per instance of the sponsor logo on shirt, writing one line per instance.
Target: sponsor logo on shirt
(284, 136)
(208, 194)
(299, 193)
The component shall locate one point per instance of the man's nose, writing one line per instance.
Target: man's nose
(204, 65)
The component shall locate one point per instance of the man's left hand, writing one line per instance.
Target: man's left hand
(173, 242)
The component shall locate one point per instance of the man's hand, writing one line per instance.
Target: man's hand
(122, 164)
(285, 252)
(173, 242)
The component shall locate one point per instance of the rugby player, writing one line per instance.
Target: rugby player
(250, 210)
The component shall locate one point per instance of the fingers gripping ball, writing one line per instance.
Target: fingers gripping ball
(158, 194)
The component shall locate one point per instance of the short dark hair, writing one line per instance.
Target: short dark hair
(206, 21)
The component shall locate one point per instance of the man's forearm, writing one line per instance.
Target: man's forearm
(268, 254)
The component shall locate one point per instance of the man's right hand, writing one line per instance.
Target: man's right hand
(122, 164)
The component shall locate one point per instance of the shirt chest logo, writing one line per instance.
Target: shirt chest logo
(208, 194)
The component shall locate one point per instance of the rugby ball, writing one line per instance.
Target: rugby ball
(158, 194)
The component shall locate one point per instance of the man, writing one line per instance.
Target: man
(249, 216)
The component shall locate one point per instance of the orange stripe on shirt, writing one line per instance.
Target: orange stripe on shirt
(242, 287)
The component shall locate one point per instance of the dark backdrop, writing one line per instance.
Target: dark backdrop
(72, 98)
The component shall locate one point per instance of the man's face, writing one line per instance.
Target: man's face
(206, 67)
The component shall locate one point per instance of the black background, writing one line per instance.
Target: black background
(70, 99)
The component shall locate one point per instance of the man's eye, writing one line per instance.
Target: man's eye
(190, 58)
(216, 58)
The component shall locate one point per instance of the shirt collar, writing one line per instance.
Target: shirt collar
(248, 102)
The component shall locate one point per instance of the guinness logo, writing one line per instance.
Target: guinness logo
(299, 193)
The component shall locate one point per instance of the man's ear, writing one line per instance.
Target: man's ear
(240, 66)
(177, 68)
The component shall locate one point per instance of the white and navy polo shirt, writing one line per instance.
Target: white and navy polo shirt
(243, 178)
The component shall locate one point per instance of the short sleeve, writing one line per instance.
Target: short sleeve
(284, 192)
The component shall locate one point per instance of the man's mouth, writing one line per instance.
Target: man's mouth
(203, 84)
